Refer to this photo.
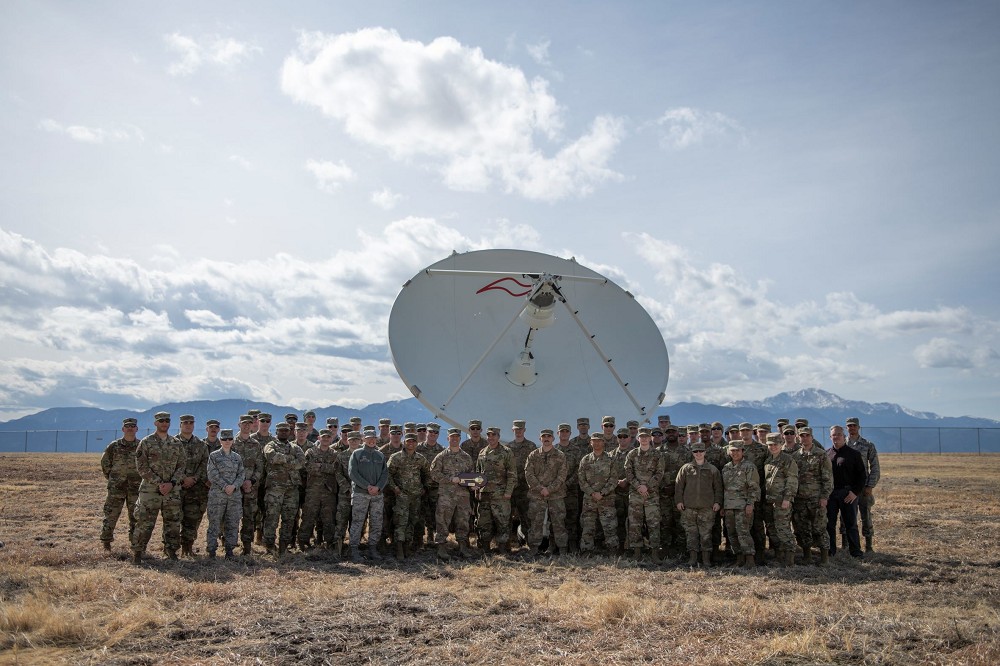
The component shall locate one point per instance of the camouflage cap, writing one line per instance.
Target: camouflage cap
(519, 423)
(564, 426)
(787, 428)
(782, 422)
(354, 434)
(347, 427)
(246, 418)
(583, 420)
(806, 430)
(395, 430)
(186, 418)
(130, 421)
(801, 422)
(645, 431)
(854, 420)
(773, 438)
(692, 428)
(663, 417)
(622, 432)
(432, 427)
(717, 425)
(333, 421)
(766, 427)
(698, 446)
(253, 412)
(309, 412)
(656, 431)
(596, 435)
(385, 422)
(355, 419)
(493, 429)
(746, 426)
(670, 428)
(291, 416)
(282, 425)
(704, 426)
(410, 437)
(735, 426)
(736, 444)
(212, 422)
(454, 431)
(226, 434)
(368, 429)
(410, 425)
(263, 416)
(301, 425)
(546, 431)
(608, 419)
(632, 424)
(326, 432)
(475, 423)
(369, 434)
(421, 426)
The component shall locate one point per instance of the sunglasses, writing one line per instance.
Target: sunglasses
(622, 436)
(264, 420)
(163, 420)
(475, 428)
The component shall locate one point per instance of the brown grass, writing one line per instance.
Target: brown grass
(930, 595)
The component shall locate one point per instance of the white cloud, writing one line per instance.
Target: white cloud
(330, 176)
(540, 52)
(93, 134)
(947, 353)
(241, 162)
(474, 119)
(213, 49)
(386, 199)
(684, 127)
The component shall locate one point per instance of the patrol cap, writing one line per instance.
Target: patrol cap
(787, 429)
(663, 417)
(608, 419)
(801, 422)
(656, 431)
(333, 421)
(346, 428)
(583, 420)
(301, 425)
(670, 428)
(355, 419)
(369, 434)
(454, 431)
(692, 428)
(564, 426)
(596, 435)
(433, 427)
(396, 430)
(632, 424)
(704, 426)
(186, 418)
(282, 425)
(622, 432)
(246, 418)
(644, 431)
(546, 431)
(766, 427)
(519, 423)
(806, 430)
(854, 420)
(410, 425)
(773, 438)
(226, 434)
(385, 422)
(253, 412)
(735, 426)
(212, 422)
(410, 437)
(263, 416)
(291, 416)
(736, 444)
(475, 423)
(782, 422)
(354, 434)
(309, 413)
(130, 421)
(325, 432)
(421, 426)
(717, 425)
(493, 429)
(698, 446)
(746, 426)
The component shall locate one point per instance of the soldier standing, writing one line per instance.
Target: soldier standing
(283, 462)
(225, 499)
(619, 453)
(698, 496)
(194, 489)
(429, 449)
(545, 475)
(211, 440)
(321, 492)
(521, 448)
(118, 466)
(809, 508)
(453, 497)
(352, 441)
(643, 469)
(160, 460)
(756, 453)
(408, 474)
(672, 535)
(781, 483)
(582, 439)
(870, 457)
(262, 436)
(252, 453)
(312, 434)
(598, 474)
(392, 446)
(496, 463)
(473, 445)
(741, 487)
(716, 454)
(369, 475)
(573, 455)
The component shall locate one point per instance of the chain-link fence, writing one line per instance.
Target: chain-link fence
(887, 440)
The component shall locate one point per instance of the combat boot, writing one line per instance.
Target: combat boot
(211, 554)
(748, 562)
(706, 558)
(657, 558)
(442, 553)
(186, 550)
(693, 558)
(355, 554)
(465, 550)
(637, 553)
(373, 553)
(868, 544)
(806, 555)
(844, 543)
(137, 557)
(740, 559)
(248, 548)
(400, 554)
(107, 545)
(282, 549)
(171, 554)
(789, 558)
(229, 554)
(338, 548)
(759, 556)
(824, 557)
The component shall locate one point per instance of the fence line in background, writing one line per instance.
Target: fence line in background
(896, 439)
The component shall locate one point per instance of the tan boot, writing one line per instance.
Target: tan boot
(693, 558)
(706, 558)
(748, 562)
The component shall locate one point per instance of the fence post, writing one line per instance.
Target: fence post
(86, 442)
(979, 441)
(900, 440)
(25, 441)
(57, 441)
(939, 441)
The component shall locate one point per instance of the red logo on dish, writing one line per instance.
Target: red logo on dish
(500, 285)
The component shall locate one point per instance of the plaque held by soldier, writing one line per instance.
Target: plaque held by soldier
(474, 480)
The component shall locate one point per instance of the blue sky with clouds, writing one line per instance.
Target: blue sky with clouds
(221, 200)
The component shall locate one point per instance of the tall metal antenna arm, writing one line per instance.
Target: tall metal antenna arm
(486, 353)
(591, 338)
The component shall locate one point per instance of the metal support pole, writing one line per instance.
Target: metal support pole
(57, 441)
(86, 441)
(979, 440)
(939, 441)
(25, 441)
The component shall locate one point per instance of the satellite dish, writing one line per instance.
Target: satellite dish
(499, 335)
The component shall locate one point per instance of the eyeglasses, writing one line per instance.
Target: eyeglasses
(129, 425)
(716, 428)
(264, 420)
(475, 428)
(163, 420)
(622, 436)
(226, 439)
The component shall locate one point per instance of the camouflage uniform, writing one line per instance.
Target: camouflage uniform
(698, 487)
(389, 503)
(870, 457)
(118, 466)
(598, 475)
(224, 469)
(252, 453)
(408, 473)
(428, 507)
(262, 441)
(757, 454)
(815, 484)
(672, 535)
(453, 500)
(343, 510)
(159, 461)
(573, 456)
(493, 519)
(473, 448)
(643, 468)
(619, 454)
(520, 507)
(781, 482)
(718, 456)
(367, 467)
(283, 461)
(194, 500)
(321, 495)
(546, 469)
(741, 486)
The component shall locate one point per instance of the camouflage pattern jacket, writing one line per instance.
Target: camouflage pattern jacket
(343, 480)
(598, 474)
(741, 485)
(430, 453)
(473, 448)
(870, 456)
(781, 478)
(815, 473)
(283, 462)
(160, 461)
(118, 463)
(674, 457)
(618, 454)
(197, 461)
(225, 469)
(644, 468)
(573, 457)
(321, 469)
(252, 453)
(408, 473)
(521, 452)
(497, 465)
(447, 464)
(546, 469)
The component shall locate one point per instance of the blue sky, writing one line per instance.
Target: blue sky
(202, 201)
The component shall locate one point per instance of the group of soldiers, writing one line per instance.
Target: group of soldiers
(705, 491)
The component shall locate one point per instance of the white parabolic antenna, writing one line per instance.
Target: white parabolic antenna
(499, 335)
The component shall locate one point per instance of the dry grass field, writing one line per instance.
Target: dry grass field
(930, 595)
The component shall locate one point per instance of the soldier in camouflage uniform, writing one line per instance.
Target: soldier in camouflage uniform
(781, 483)
(225, 499)
(352, 443)
(453, 497)
(809, 508)
(716, 454)
(408, 474)
(870, 456)
(369, 476)
(194, 489)
(283, 463)
(520, 507)
(260, 430)
(312, 434)
(252, 453)
(118, 466)
(300, 431)
(384, 434)
(741, 488)
(496, 463)
(160, 460)
(582, 440)
(473, 445)
(598, 474)
(573, 500)
(618, 454)
(429, 449)
(212, 427)
(545, 474)
(643, 469)
(672, 535)
(392, 445)
(698, 496)
(321, 492)
(756, 453)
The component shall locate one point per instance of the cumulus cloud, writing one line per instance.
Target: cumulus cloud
(386, 199)
(540, 52)
(474, 119)
(192, 53)
(947, 353)
(684, 127)
(85, 134)
(241, 162)
(330, 176)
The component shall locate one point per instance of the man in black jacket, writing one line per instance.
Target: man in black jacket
(849, 478)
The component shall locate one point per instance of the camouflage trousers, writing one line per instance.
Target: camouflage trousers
(809, 520)
(342, 514)
(367, 506)
(428, 511)
(473, 511)
(452, 504)
(224, 511)
(603, 512)
(698, 527)
(738, 531)
(320, 505)
(406, 513)
(120, 494)
(757, 527)
(621, 509)
(556, 506)
(493, 518)
(778, 523)
(388, 516)
(520, 509)
(194, 503)
(865, 503)
(150, 504)
(643, 508)
(250, 512)
(671, 529)
(280, 502)
(573, 516)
